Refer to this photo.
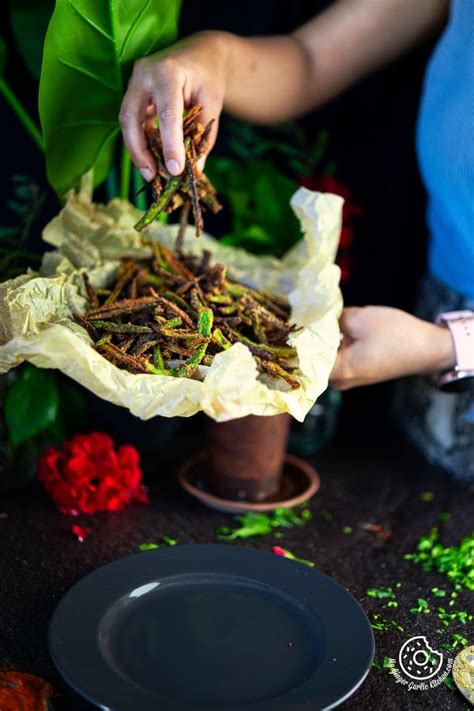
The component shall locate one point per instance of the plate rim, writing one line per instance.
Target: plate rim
(55, 619)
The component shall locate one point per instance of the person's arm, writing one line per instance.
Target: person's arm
(267, 79)
(278, 78)
(381, 343)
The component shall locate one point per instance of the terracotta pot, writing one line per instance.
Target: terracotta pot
(246, 457)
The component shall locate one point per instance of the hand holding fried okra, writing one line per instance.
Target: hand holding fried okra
(266, 79)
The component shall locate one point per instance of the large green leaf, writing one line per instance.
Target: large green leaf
(29, 20)
(88, 55)
(31, 404)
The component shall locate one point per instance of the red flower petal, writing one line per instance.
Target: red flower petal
(346, 238)
(81, 532)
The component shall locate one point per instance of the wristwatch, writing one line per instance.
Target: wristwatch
(461, 326)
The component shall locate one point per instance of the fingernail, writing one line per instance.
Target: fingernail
(146, 173)
(173, 167)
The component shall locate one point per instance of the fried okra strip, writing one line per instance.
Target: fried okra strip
(113, 327)
(160, 205)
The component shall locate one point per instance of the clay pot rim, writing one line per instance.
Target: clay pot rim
(230, 506)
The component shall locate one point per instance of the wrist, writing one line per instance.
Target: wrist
(223, 49)
(441, 350)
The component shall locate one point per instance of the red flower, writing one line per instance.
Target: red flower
(88, 474)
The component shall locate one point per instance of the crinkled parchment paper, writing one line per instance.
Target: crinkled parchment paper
(36, 310)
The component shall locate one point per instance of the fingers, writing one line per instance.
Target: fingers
(133, 113)
(169, 103)
(349, 323)
(341, 377)
(211, 109)
(157, 89)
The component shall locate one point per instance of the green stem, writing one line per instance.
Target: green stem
(111, 184)
(138, 183)
(125, 173)
(22, 114)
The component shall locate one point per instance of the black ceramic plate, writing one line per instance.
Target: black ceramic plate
(210, 628)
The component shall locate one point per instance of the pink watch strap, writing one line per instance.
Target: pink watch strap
(461, 325)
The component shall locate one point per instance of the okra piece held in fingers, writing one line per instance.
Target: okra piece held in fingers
(189, 190)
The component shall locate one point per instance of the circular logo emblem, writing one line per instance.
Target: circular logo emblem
(418, 660)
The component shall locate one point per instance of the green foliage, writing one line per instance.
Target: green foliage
(29, 21)
(287, 143)
(31, 405)
(40, 401)
(88, 55)
(258, 179)
(262, 219)
(26, 204)
(40, 408)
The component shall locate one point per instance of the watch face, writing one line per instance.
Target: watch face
(456, 381)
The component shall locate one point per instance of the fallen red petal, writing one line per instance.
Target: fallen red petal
(81, 532)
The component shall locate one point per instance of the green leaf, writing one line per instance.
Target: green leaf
(148, 546)
(88, 56)
(250, 238)
(31, 404)
(260, 524)
(29, 21)
(299, 168)
(258, 195)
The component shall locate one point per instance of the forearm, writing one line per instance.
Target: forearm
(270, 79)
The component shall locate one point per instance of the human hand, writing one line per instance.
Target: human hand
(381, 343)
(162, 85)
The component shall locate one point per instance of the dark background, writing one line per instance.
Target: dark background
(372, 130)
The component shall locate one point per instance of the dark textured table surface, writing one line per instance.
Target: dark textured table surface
(362, 481)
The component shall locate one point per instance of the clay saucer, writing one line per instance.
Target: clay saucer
(300, 482)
